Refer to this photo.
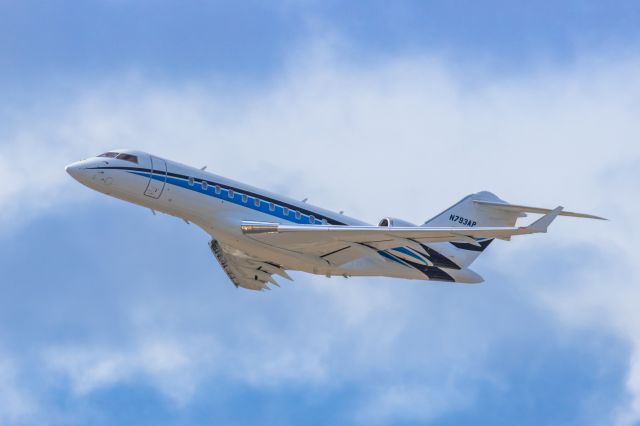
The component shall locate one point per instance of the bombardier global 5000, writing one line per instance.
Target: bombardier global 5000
(257, 234)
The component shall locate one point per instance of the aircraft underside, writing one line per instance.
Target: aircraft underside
(255, 273)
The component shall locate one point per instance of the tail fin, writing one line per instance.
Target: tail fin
(468, 213)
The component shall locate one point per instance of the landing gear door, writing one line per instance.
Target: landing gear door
(158, 178)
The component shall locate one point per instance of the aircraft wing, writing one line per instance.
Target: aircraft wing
(381, 237)
(244, 270)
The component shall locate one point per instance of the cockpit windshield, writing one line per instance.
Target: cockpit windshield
(128, 157)
(109, 155)
(120, 156)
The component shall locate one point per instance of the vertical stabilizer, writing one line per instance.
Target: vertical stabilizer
(468, 214)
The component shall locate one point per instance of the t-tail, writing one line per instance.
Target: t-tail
(484, 209)
(468, 213)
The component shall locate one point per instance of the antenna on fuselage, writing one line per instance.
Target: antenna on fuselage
(305, 200)
(203, 168)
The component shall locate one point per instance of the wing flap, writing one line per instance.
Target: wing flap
(244, 270)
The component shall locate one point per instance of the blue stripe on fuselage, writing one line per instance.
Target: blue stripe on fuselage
(236, 199)
(263, 207)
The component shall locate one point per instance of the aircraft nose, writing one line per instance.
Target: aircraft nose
(74, 170)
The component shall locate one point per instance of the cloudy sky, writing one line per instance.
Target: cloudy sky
(110, 315)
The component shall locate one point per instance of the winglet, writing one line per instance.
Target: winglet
(543, 223)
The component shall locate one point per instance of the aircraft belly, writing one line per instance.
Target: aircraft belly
(222, 220)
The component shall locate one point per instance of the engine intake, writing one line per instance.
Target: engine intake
(394, 222)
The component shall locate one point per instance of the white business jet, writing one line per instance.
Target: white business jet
(257, 234)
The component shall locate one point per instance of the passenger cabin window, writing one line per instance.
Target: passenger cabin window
(218, 189)
(205, 185)
(109, 155)
(298, 215)
(312, 219)
(272, 206)
(128, 157)
(285, 210)
(324, 221)
(256, 202)
(245, 198)
(191, 181)
(231, 194)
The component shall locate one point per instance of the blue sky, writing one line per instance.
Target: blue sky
(111, 315)
(53, 44)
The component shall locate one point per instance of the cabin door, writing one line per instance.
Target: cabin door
(158, 178)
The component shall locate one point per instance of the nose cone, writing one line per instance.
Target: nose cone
(74, 169)
(80, 171)
(89, 174)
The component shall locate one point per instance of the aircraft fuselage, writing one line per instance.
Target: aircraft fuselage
(219, 206)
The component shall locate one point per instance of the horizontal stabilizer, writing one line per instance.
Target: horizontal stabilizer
(528, 209)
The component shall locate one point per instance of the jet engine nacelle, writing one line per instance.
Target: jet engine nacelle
(393, 222)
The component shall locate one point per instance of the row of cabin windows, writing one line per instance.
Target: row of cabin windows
(256, 201)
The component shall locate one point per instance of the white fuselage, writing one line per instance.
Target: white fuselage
(220, 205)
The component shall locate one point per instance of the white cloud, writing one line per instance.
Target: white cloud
(17, 405)
(175, 367)
(603, 294)
(413, 403)
(405, 138)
